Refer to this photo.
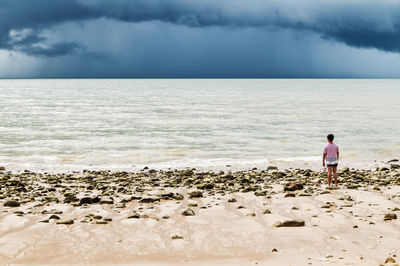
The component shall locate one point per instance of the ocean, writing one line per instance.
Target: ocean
(62, 125)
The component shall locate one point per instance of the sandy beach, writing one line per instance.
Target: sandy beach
(154, 217)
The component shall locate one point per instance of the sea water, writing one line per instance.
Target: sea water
(126, 124)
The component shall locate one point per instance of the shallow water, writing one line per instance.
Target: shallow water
(59, 125)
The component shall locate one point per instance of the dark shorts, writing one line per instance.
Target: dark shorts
(332, 165)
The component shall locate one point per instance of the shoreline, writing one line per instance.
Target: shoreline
(196, 217)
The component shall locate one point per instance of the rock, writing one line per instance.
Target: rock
(274, 250)
(85, 200)
(106, 201)
(196, 194)
(390, 260)
(11, 203)
(390, 216)
(51, 199)
(44, 221)
(232, 200)
(176, 237)
(192, 204)
(149, 199)
(178, 196)
(271, 167)
(260, 193)
(134, 216)
(252, 214)
(66, 221)
(353, 186)
(101, 222)
(290, 223)
(288, 195)
(293, 187)
(267, 211)
(53, 216)
(188, 212)
(2, 168)
(108, 219)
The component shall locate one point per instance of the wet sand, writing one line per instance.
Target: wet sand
(201, 218)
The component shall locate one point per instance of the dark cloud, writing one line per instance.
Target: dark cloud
(367, 24)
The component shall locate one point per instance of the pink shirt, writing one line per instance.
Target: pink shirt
(331, 151)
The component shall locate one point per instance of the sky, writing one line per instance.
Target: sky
(199, 39)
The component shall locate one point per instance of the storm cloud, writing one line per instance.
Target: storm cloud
(367, 24)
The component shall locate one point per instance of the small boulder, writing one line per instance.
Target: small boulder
(149, 199)
(390, 260)
(66, 221)
(196, 194)
(12, 203)
(188, 212)
(293, 187)
(134, 216)
(106, 201)
(290, 223)
(390, 216)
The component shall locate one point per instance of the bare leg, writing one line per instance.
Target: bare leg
(329, 175)
(335, 174)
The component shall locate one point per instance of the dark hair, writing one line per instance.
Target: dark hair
(330, 137)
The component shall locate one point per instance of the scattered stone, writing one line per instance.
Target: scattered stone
(134, 216)
(101, 222)
(53, 216)
(353, 186)
(288, 195)
(188, 212)
(149, 199)
(196, 194)
(232, 200)
(293, 187)
(390, 216)
(274, 250)
(390, 260)
(176, 237)
(12, 203)
(66, 221)
(106, 201)
(267, 211)
(251, 214)
(290, 223)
